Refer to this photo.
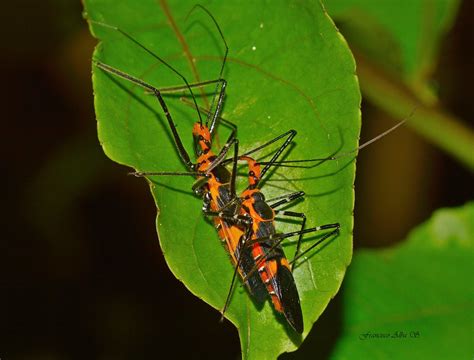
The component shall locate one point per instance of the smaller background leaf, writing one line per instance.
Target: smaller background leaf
(423, 286)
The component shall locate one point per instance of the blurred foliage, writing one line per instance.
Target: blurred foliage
(419, 293)
(396, 44)
(403, 36)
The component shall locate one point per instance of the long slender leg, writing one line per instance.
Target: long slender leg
(239, 220)
(179, 144)
(217, 111)
(328, 226)
(207, 112)
(284, 199)
(289, 137)
(281, 237)
(228, 123)
(179, 88)
(143, 47)
(219, 94)
(165, 173)
(217, 161)
(222, 154)
(289, 134)
(220, 158)
(221, 82)
(302, 216)
(240, 246)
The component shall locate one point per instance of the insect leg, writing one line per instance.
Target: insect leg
(220, 157)
(161, 173)
(179, 144)
(240, 246)
(302, 216)
(143, 47)
(207, 112)
(290, 134)
(239, 220)
(179, 88)
(328, 226)
(281, 237)
(222, 83)
(284, 199)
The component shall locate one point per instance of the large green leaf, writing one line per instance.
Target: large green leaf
(288, 68)
(422, 289)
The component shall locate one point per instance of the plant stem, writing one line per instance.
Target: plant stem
(438, 127)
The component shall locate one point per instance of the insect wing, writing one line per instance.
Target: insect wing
(287, 293)
(254, 282)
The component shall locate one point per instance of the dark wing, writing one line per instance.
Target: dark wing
(285, 289)
(254, 282)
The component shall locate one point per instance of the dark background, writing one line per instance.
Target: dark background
(82, 275)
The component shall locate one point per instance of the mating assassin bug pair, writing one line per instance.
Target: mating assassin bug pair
(246, 222)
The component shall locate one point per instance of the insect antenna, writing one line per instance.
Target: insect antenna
(143, 47)
(284, 163)
(221, 82)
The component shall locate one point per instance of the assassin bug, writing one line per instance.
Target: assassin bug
(258, 249)
(255, 247)
(215, 184)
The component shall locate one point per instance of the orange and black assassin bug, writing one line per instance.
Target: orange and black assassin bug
(215, 184)
(208, 170)
(253, 243)
(245, 223)
(259, 248)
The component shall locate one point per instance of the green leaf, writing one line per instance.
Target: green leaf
(288, 67)
(422, 288)
(403, 35)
